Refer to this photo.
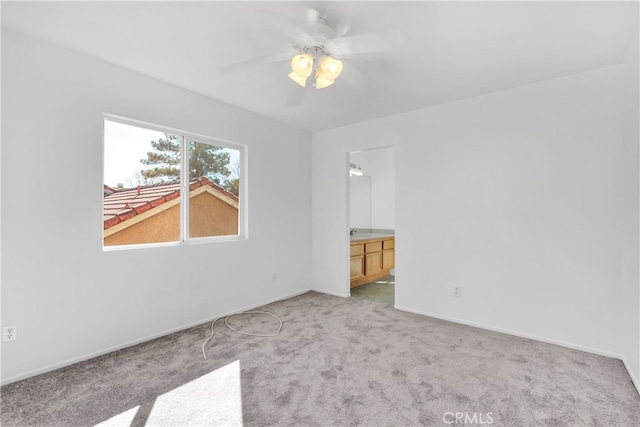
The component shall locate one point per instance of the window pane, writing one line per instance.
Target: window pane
(214, 175)
(141, 185)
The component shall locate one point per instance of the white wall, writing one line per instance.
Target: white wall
(631, 280)
(55, 276)
(379, 164)
(360, 202)
(515, 196)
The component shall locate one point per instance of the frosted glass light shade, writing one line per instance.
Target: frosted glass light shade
(321, 79)
(331, 67)
(302, 65)
(302, 81)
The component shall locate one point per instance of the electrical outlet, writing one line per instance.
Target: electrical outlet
(9, 333)
(457, 291)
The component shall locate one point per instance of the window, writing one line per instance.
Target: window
(148, 170)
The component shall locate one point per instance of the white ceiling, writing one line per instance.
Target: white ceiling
(434, 52)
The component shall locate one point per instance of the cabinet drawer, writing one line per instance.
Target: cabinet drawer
(373, 247)
(388, 244)
(357, 249)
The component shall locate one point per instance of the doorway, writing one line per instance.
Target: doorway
(371, 216)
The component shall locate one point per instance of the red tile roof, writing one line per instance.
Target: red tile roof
(108, 190)
(126, 203)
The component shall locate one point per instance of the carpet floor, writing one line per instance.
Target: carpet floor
(336, 362)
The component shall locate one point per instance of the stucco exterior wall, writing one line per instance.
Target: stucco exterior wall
(162, 227)
(209, 216)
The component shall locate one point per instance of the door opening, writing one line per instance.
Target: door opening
(371, 207)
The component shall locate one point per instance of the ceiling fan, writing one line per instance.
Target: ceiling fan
(319, 54)
(320, 45)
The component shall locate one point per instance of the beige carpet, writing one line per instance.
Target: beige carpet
(336, 362)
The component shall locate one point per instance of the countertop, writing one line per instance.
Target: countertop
(368, 236)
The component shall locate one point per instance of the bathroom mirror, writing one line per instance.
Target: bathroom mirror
(372, 185)
(360, 202)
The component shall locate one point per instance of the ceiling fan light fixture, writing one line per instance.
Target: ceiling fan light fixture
(321, 79)
(302, 65)
(331, 67)
(302, 81)
(327, 69)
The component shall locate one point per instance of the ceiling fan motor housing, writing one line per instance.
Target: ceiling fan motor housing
(321, 37)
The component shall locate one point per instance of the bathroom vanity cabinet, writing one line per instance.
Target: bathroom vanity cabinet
(371, 259)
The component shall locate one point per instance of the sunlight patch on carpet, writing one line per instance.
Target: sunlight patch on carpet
(214, 399)
(122, 419)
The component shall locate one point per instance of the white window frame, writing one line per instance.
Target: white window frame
(184, 184)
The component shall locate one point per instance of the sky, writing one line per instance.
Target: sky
(124, 147)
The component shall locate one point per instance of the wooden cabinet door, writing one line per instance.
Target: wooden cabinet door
(388, 259)
(373, 263)
(357, 267)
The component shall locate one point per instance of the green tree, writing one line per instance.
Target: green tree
(204, 160)
(232, 183)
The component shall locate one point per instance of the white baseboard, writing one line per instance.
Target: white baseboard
(75, 360)
(597, 351)
(634, 380)
(335, 294)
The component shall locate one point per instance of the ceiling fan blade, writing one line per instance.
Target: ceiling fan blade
(258, 61)
(387, 41)
(327, 12)
(270, 20)
(353, 76)
(341, 29)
